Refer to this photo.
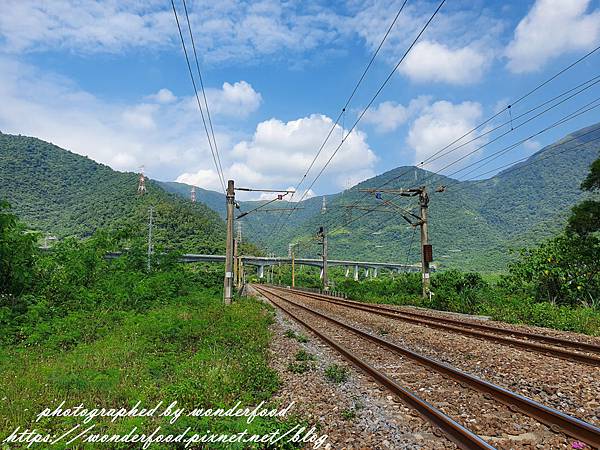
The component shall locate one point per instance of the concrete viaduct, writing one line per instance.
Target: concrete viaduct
(370, 268)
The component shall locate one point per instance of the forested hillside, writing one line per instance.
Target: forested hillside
(473, 225)
(62, 194)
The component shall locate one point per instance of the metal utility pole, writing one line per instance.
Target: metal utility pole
(292, 255)
(323, 236)
(426, 251)
(193, 194)
(236, 255)
(420, 221)
(150, 246)
(228, 282)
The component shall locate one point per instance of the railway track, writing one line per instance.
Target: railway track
(581, 352)
(372, 353)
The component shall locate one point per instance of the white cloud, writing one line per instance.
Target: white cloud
(531, 145)
(237, 99)
(223, 31)
(432, 61)
(463, 58)
(280, 152)
(437, 126)
(388, 115)
(162, 135)
(87, 26)
(162, 96)
(551, 28)
(206, 178)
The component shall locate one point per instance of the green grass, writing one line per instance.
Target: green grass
(486, 297)
(303, 355)
(298, 336)
(300, 367)
(336, 373)
(193, 351)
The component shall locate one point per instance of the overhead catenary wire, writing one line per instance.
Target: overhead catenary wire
(492, 117)
(342, 113)
(570, 116)
(375, 96)
(533, 161)
(213, 150)
(582, 110)
(496, 155)
(212, 131)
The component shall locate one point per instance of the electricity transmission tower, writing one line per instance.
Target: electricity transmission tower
(141, 190)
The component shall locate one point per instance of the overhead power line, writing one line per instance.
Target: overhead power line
(213, 149)
(492, 117)
(342, 113)
(366, 108)
(212, 131)
(533, 161)
(577, 113)
(582, 110)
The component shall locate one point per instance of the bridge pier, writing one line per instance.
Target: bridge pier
(347, 271)
(375, 270)
(261, 272)
(355, 273)
(366, 272)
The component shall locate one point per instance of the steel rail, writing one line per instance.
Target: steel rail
(575, 345)
(556, 420)
(464, 328)
(455, 432)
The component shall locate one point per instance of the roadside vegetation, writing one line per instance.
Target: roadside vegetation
(77, 327)
(554, 285)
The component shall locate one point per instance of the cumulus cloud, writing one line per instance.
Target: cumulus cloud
(439, 124)
(237, 99)
(464, 56)
(551, 28)
(280, 152)
(531, 145)
(388, 115)
(206, 178)
(162, 96)
(432, 61)
(160, 132)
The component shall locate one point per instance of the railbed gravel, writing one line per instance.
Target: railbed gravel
(375, 421)
(489, 418)
(571, 387)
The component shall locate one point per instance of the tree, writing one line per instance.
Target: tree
(17, 250)
(585, 217)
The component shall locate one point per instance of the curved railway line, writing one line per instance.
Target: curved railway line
(582, 352)
(387, 362)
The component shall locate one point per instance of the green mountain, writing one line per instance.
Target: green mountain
(60, 193)
(473, 225)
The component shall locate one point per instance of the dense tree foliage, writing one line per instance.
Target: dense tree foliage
(17, 250)
(585, 217)
(474, 225)
(60, 193)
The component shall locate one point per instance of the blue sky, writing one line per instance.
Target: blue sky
(108, 79)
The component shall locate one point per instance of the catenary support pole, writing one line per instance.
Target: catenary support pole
(424, 203)
(228, 282)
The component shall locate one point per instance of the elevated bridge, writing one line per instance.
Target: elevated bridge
(369, 267)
